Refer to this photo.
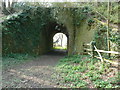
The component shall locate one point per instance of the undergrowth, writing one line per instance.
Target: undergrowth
(15, 59)
(57, 47)
(81, 71)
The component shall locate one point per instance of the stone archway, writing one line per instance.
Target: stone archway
(54, 28)
(41, 40)
(60, 43)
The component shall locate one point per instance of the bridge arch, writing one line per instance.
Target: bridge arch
(54, 28)
(24, 32)
(60, 41)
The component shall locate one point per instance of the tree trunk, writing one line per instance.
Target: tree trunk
(8, 4)
(108, 34)
(96, 3)
(3, 6)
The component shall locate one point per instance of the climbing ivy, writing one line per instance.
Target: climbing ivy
(100, 37)
(22, 32)
(78, 14)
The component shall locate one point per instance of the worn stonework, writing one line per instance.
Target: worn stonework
(77, 35)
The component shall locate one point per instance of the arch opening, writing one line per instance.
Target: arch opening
(60, 42)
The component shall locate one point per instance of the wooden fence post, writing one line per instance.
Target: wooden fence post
(92, 48)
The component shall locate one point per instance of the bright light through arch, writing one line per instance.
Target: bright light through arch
(60, 41)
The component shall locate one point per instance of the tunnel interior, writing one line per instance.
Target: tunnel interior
(30, 33)
(57, 29)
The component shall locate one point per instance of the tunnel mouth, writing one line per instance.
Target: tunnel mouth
(60, 43)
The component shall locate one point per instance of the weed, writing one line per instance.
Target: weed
(94, 78)
(14, 59)
(74, 69)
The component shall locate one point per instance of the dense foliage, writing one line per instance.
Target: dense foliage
(22, 31)
(114, 10)
(84, 72)
(29, 31)
(100, 37)
(12, 60)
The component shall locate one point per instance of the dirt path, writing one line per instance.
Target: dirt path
(34, 74)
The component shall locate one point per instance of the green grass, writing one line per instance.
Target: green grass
(75, 71)
(15, 59)
(58, 47)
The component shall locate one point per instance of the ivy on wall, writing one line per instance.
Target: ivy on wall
(78, 14)
(22, 32)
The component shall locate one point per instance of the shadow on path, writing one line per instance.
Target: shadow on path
(36, 73)
(57, 52)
